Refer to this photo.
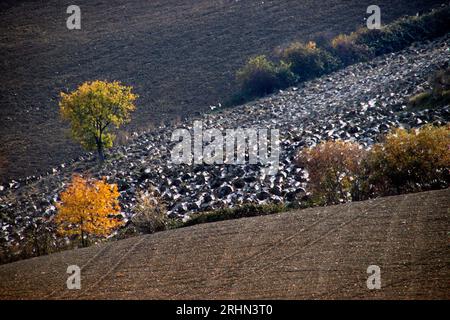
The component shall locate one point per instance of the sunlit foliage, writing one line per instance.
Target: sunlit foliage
(93, 108)
(88, 208)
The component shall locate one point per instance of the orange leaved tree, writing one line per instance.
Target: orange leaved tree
(88, 208)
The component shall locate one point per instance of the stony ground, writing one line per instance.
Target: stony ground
(319, 253)
(179, 55)
(358, 103)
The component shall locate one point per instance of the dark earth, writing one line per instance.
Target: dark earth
(318, 253)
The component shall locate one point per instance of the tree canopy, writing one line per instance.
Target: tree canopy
(88, 207)
(93, 108)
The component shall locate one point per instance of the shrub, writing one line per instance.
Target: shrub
(261, 76)
(246, 210)
(307, 60)
(410, 160)
(128, 231)
(404, 31)
(150, 214)
(285, 76)
(333, 168)
(41, 238)
(348, 51)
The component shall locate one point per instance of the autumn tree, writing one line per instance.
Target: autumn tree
(333, 168)
(93, 108)
(411, 160)
(88, 208)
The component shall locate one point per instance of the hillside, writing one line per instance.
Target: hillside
(180, 56)
(360, 103)
(319, 253)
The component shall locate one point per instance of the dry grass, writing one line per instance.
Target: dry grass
(150, 214)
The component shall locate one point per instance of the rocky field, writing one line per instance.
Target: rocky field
(358, 103)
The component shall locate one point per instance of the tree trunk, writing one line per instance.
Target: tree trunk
(99, 142)
(82, 238)
(100, 150)
(83, 243)
(101, 154)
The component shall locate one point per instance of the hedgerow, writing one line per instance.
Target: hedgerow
(260, 76)
(304, 61)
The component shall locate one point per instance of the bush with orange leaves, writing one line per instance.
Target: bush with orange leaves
(333, 168)
(88, 208)
(411, 160)
(405, 161)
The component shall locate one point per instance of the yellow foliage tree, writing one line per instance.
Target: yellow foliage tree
(88, 207)
(93, 108)
(411, 160)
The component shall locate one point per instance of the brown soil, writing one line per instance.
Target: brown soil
(180, 56)
(319, 253)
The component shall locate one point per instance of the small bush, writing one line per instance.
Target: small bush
(348, 51)
(307, 60)
(333, 168)
(128, 231)
(261, 76)
(150, 214)
(246, 210)
(285, 76)
(410, 160)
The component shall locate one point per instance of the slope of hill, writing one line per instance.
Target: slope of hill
(319, 253)
(180, 56)
(360, 103)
